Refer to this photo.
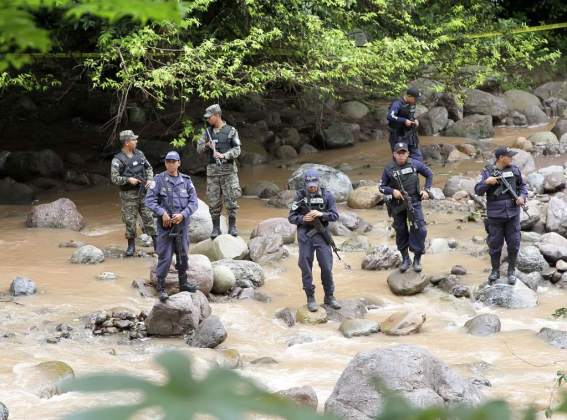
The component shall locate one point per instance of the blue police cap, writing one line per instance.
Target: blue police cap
(400, 146)
(311, 177)
(172, 156)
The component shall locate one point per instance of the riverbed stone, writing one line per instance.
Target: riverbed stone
(209, 334)
(44, 379)
(87, 254)
(303, 396)
(304, 316)
(403, 323)
(358, 327)
(518, 296)
(382, 257)
(59, 214)
(276, 226)
(247, 273)
(332, 179)
(556, 338)
(22, 286)
(224, 280)
(408, 283)
(484, 324)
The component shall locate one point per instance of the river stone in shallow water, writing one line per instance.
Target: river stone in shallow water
(22, 286)
(552, 245)
(227, 246)
(229, 359)
(382, 257)
(556, 338)
(350, 309)
(276, 226)
(180, 314)
(530, 259)
(484, 324)
(403, 323)
(59, 214)
(408, 283)
(44, 379)
(87, 254)
(224, 280)
(413, 371)
(303, 396)
(304, 316)
(247, 273)
(358, 327)
(209, 334)
(267, 249)
(507, 296)
(287, 316)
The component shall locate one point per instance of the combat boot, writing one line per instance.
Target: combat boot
(184, 286)
(495, 272)
(131, 247)
(311, 304)
(417, 263)
(332, 302)
(406, 261)
(512, 269)
(216, 227)
(154, 242)
(232, 226)
(163, 296)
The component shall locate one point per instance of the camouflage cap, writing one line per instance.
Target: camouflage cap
(127, 135)
(212, 110)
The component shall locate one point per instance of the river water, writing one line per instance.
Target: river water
(520, 366)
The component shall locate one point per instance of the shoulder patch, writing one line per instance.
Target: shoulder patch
(152, 185)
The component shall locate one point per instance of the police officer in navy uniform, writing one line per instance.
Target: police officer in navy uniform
(503, 210)
(173, 199)
(314, 203)
(406, 171)
(403, 124)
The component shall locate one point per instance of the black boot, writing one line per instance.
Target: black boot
(131, 247)
(184, 286)
(163, 296)
(154, 242)
(512, 269)
(232, 226)
(216, 227)
(495, 272)
(311, 304)
(417, 263)
(332, 302)
(406, 262)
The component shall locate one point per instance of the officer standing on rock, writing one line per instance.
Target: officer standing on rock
(132, 172)
(221, 143)
(173, 199)
(400, 185)
(310, 204)
(403, 124)
(502, 182)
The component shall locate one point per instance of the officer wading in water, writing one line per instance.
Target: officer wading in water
(221, 143)
(400, 186)
(403, 124)
(314, 203)
(132, 172)
(173, 199)
(501, 182)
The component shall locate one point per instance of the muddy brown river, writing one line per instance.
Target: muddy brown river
(520, 366)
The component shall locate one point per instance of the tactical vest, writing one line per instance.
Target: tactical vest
(496, 192)
(408, 176)
(132, 167)
(406, 111)
(313, 202)
(223, 143)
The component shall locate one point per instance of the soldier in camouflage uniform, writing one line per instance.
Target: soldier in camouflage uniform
(132, 172)
(221, 143)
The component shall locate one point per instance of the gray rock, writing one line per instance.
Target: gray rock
(209, 334)
(354, 222)
(354, 110)
(408, 283)
(507, 296)
(87, 254)
(282, 200)
(45, 379)
(287, 316)
(229, 247)
(473, 126)
(247, 273)
(403, 323)
(524, 160)
(12, 192)
(560, 128)
(338, 135)
(261, 189)
(24, 166)
(532, 280)
(350, 309)
(458, 270)
(180, 314)
(224, 280)
(267, 249)
(22, 286)
(552, 89)
(199, 274)
(59, 214)
(286, 152)
(530, 259)
(279, 226)
(556, 338)
(459, 183)
(482, 325)
(332, 179)
(437, 194)
(556, 220)
(356, 396)
(304, 316)
(553, 246)
(200, 224)
(451, 104)
(433, 121)
(358, 327)
(535, 181)
(304, 396)
(517, 119)
(382, 257)
(479, 102)
(307, 149)
(355, 243)
(545, 142)
(439, 246)
(553, 183)
(107, 276)
(527, 104)
(451, 285)
(290, 136)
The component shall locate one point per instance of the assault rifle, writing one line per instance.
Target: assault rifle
(406, 200)
(508, 188)
(212, 145)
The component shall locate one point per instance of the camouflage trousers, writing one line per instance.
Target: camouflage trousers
(132, 205)
(225, 188)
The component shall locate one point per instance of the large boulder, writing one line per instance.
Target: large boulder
(556, 220)
(23, 166)
(44, 379)
(479, 102)
(365, 197)
(267, 249)
(560, 128)
(451, 104)
(12, 192)
(512, 297)
(473, 126)
(484, 324)
(553, 247)
(338, 135)
(332, 179)
(247, 273)
(530, 259)
(556, 338)
(433, 121)
(382, 257)
(354, 110)
(527, 104)
(552, 90)
(228, 246)
(459, 183)
(22, 286)
(408, 283)
(181, 314)
(414, 372)
(200, 223)
(87, 254)
(524, 160)
(209, 334)
(545, 142)
(279, 226)
(59, 214)
(429, 89)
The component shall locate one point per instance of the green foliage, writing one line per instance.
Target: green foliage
(187, 132)
(560, 313)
